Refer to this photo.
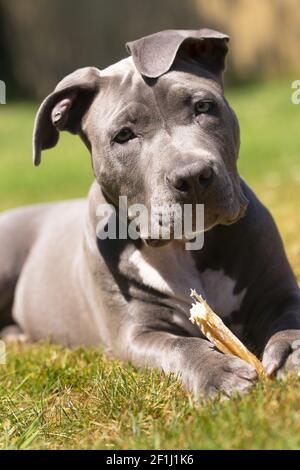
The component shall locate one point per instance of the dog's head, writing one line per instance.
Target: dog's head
(157, 124)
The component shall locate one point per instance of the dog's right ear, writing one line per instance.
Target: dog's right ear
(64, 109)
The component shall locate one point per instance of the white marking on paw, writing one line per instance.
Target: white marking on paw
(13, 334)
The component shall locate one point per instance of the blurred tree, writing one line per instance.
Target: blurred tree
(46, 39)
(265, 35)
(53, 37)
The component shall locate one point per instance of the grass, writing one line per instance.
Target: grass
(56, 398)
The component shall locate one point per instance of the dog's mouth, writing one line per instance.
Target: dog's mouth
(160, 224)
(154, 243)
(175, 230)
(159, 242)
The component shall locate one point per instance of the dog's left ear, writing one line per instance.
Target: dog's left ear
(64, 109)
(154, 55)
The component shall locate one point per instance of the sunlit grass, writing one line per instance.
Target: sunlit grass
(58, 398)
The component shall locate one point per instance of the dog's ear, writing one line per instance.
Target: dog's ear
(64, 109)
(154, 55)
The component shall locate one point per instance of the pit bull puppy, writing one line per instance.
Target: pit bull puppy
(159, 131)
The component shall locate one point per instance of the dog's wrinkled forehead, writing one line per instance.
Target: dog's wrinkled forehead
(122, 84)
(130, 94)
(127, 94)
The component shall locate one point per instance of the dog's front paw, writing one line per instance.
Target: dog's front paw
(223, 374)
(282, 353)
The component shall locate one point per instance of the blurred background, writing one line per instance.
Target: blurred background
(43, 40)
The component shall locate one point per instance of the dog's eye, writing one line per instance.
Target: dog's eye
(203, 107)
(124, 135)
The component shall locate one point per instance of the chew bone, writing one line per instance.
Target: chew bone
(214, 329)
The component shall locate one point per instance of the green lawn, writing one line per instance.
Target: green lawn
(58, 398)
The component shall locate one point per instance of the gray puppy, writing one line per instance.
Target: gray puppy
(160, 131)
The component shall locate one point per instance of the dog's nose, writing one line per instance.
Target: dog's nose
(192, 178)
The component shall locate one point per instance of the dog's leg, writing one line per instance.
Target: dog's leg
(17, 233)
(282, 351)
(153, 340)
(9, 270)
(202, 369)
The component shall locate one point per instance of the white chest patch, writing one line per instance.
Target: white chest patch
(171, 270)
